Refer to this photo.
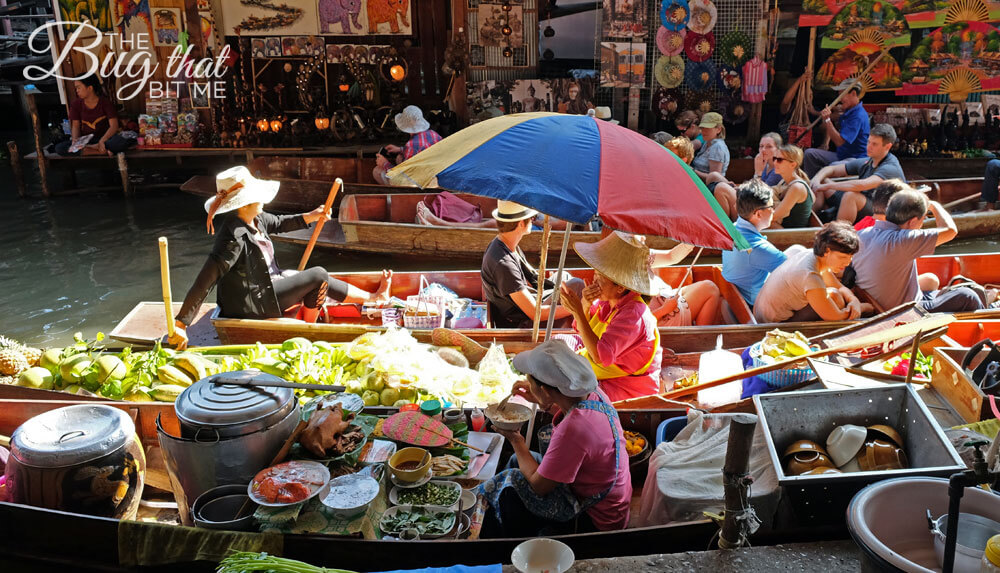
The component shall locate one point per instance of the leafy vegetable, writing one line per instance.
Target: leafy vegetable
(420, 519)
(248, 562)
(429, 494)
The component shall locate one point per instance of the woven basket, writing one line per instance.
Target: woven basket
(425, 305)
(779, 378)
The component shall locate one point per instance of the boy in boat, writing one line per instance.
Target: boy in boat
(582, 483)
(850, 200)
(509, 282)
(805, 287)
(410, 121)
(886, 265)
(747, 270)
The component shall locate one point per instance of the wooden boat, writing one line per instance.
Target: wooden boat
(384, 223)
(146, 322)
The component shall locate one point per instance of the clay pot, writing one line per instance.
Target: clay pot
(801, 462)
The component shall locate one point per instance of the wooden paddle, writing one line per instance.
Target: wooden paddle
(168, 305)
(927, 323)
(334, 189)
(690, 268)
(871, 66)
(966, 199)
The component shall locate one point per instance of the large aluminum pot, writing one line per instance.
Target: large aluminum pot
(229, 433)
(83, 459)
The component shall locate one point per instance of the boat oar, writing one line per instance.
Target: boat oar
(168, 305)
(927, 323)
(334, 189)
(690, 268)
(966, 199)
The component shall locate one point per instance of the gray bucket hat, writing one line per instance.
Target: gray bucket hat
(553, 363)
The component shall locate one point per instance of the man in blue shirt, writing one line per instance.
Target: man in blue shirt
(851, 140)
(747, 270)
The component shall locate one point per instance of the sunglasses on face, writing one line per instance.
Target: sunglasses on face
(780, 159)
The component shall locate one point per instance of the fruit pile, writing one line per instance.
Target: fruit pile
(634, 443)
(779, 346)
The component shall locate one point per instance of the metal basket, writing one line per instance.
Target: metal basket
(780, 378)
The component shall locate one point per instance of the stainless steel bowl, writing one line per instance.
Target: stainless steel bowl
(218, 507)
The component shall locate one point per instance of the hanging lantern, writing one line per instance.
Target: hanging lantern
(275, 125)
(507, 52)
(263, 125)
(548, 54)
(506, 30)
(397, 72)
(506, 7)
(322, 122)
(342, 85)
(549, 32)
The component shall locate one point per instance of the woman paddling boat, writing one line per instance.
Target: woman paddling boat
(242, 263)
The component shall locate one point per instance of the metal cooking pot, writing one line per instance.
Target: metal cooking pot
(974, 531)
(83, 459)
(228, 433)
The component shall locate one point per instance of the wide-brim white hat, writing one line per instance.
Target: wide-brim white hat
(237, 187)
(621, 259)
(604, 112)
(411, 120)
(511, 212)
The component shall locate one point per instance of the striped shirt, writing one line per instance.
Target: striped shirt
(754, 81)
(419, 142)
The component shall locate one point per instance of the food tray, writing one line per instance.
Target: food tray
(404, 508)
(395, 492)
(315, 489)
(812, 414)
(780, 378)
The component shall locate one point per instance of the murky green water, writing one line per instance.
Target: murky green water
(81, 263)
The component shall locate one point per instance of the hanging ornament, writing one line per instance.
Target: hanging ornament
(506, 7)
(549, 32)
(507, 52)
(506, 30)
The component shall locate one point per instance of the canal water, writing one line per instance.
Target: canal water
(80, 263)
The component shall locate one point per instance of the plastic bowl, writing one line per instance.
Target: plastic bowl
(217, 508)
(844, 442)
(510, 411)
(542, 555)
(361, 491)
(410, 455)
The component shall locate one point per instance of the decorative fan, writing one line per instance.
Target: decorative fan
(699, 47)
(735, 48)
(703, 16)
(730, 79)
(967, 11)
(669, 71)
(674, 14)
(867, 83)
(867, 36)
(670, 43)
(665, 102)
(734, 110)
(958, 84)
(700, 75)
(700, 101)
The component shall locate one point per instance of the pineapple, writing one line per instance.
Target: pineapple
(32, 355)
(12, 361)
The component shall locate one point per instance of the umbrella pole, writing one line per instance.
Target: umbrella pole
(553, 302)
(541, 279)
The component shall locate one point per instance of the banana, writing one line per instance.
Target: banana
(191, 365)
(171, 375)
(166, 392)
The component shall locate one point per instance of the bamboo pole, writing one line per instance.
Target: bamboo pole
(734, 479)
(690, 268)
(319, 224)
(541, 279)
(558, 282)
(16, 168)
(168, 306)
(914, 348)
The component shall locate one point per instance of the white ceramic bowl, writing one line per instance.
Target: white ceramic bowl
(511, 411)
(542, 555)
(844, 442)
(468, 500)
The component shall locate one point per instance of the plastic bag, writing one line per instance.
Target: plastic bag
(494, 370)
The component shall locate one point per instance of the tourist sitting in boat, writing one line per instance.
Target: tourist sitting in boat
(806, 288)
(616, 331)
(509, 282)
(850, 200)
(886, 265)
(582, 483)
(698, 303)
(763, 162)
(451, 208)
(851, 139)
(747, 270)
(712, 160)
(93, 114)
(682, 148)
(242, 264)
(687, 126)
(793, 197)
(410, 121)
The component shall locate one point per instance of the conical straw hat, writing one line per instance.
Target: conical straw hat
(622, 259)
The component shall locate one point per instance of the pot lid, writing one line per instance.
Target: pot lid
(70, 436)
(233, 409)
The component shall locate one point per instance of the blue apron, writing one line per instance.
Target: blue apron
(561, 504)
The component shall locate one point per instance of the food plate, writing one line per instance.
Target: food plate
(390, 518)
(349, 495)
(312, 475)
(405, 485)
(482, 441)
(394, 495)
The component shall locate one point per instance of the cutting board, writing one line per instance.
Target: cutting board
(412, 428)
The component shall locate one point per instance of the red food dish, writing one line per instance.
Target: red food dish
(290, 482)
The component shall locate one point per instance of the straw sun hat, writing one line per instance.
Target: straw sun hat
(237, 187)
(511, 212)
(411, 120)
(621, 258)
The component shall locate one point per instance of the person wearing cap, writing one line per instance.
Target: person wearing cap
(850, 200)
(712, 161)
(851, 139)
(582, 483)
(410, 121)
(616, 331)
(242, 264)
(509, 282)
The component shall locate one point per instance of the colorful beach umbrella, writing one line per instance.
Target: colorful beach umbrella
(576, 167)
